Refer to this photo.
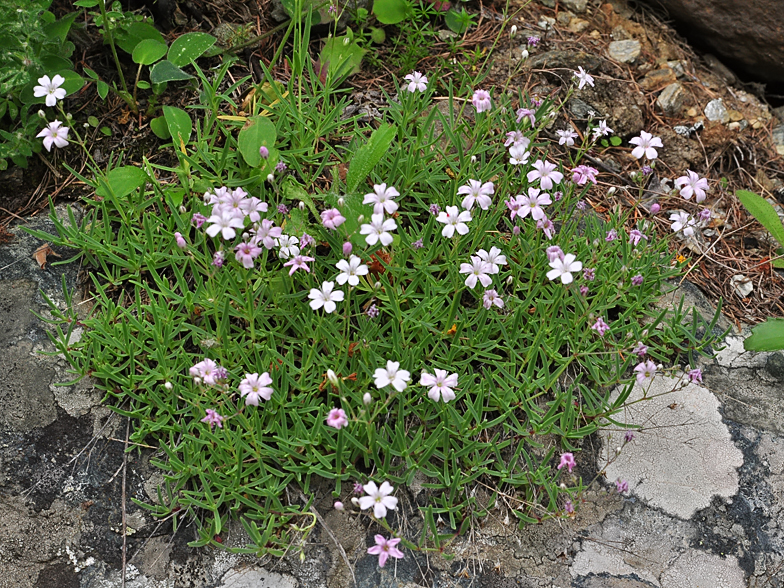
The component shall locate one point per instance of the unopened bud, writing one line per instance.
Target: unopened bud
(617, 450)
(339, 505)
(197, 381)
(655, 208)
(183, 210)
(355, 501)
(271, 178)
(301, 205)
(264, 152)
(333, 378)
(42, 114)
(473, 159)
(524, 54)
(377, 285)
(341, 202)
(367, 399)
(360, 218)
(611, 191)
(168, 385)
(347, 248)
(68, 116)
(513, 31)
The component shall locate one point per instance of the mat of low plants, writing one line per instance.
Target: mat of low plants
(306, 298)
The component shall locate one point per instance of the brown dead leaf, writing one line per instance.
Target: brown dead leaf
(41, 253)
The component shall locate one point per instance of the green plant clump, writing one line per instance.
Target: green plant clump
(270, 321)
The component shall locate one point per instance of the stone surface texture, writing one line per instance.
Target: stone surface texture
(747, 33)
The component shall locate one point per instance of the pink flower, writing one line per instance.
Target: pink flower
(266, 233)
(569, 507)
(198, 219)
(347, 248)
(546, 173)
(621, 486)
(51, 89)
(645, 145)
(517, 138)
(440, 385)
(682, 221)
(337, 418)
(563, 268)
(416, 82)
(513, 204)
(646, 370)
(600, 327)
(332, 219)
(584, 78)
(55, 134)
(246, 252)
(655, 208)
(264, 152)
(384, 549)
(567, 461)
(518, 154)
(554, 252)
(695, 375)
(252, 207)
(378, 229)
(583, 174)
(180, 240)
(692, 185)
(601, 130)
(299, 262)
(637, 280)
(453, 221)
(475, 191)
(206, 370)
(532, 204)
(526, 113)
(612, 235)
(547, 226)
(213, 418)
(566, 137)
(218, 258)
(256, 386)
(481, 100)
(491, 298)
(640, 350)
(378, 499)
(476, 270)
(224, 223)
(382, 199)
(635, 236)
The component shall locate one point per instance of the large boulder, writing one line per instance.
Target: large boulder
(748, 34)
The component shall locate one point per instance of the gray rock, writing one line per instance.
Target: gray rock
(625, 51)
(575, 5)
(671, 99)
(716, 111)
(778, 139)
(775, 366)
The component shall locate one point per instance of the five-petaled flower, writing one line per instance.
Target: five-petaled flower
(695, 375)
(563, 268)
(213, 418)
(256, 386)
(382, 199)
(692, 185)
(440, 385)
(478, 192)
(583, 174)
(378, 230)
(454, 221)
(584, 78)
(416, 82)
(326, 297)
(546, 173)
(566, 137)
(532, 204)
(224, 223)
(646, 370)
(601, 130)
(337, 418)
(493, 258)
(379, 499)
(384, 549)
(481, 100)
(350, 270)
(682, 221)
(332, 219)
(518, 154)
(600, 326)
(393, 375)
(51, 89)
(299, 262)
(567, 461)
(476, 270)
(491, 298)
(54, 133)
(645, 145)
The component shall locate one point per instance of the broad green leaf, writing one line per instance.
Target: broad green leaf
(769, 336)
(166, 71)
(342, 57)
(763, 212)
(51, 63)
(258, 131)
(127, 39)
(293, 191)
(123, 181)
(148, 52)
(367, 156)
(391, 11)
(160, 128)
(86, 3)
(60, 28)
(103, 89)
(143, 85)
(189, 47)
(179, 123)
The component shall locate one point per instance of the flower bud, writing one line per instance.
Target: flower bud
(355, 501)
(367, 399)
(360, 218)
(524, 54)
(513, 31)
(347, 248)
(341, 202)
(301, 205)
(264, 152)
(655, 208)
(516, 230)
(473, 159)
(183, 210)
(333, 378)
(68, 116)
(168, 385)
(271, 178)
(377, 285)
(197, 381)
(42, 114)
(339, 505)
(611, 191)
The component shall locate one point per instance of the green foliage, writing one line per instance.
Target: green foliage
(391, 11)
(769, 336)
(257, 132)
(766, 215)
(459, 22)
(179, 124)
(368, 155)
(189, 47)
(340, 57)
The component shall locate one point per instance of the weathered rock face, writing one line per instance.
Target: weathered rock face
(747, 33)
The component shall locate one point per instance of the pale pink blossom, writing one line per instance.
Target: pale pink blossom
(213, 418)
(646, 370)
(350, 270)
(382, 199)
(440, 385)
(51, 89)
(583, 174)
(256, 386)
(645, 145)
(481, 100)
(384, 549)
(491, 298)
(266, 233)
(332, 219)
(692, 185)
(476, 270)
(546, 173)
(682, 221)
(393, 375)
(246, 252)
(298, 262)
(224, 223)
(476, 191)
(566, 137)
(378, 230)
(337, 418)
(517, 138)
(532, 204)
(493, 258)
(416, 82)
(567, 461)
(518, 155)
(601, 130)
(583, 77)
(379, 499)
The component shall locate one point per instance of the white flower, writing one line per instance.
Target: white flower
(517, 138)
(382, 199)
(392, 375)
(378, 229)
(682, 221)
(476, 270)
(416, 81)
(288, 246)
(325, 297)
(566, 137)
(584, 77)
(440, 385)
(378, 498)
(51, 89)
(547, 173)
(601, 130)
(54, 133)
(453, 221)
(351, 270)
(518, 154)
(493, 259)
(563, 268)
(491, 298)
(477, 192)
(645, 145)
(225, 222)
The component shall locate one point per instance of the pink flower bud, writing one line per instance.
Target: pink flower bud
(338, 505)
(264, 152)
(347, 248)
(655, 208)
(180, 241)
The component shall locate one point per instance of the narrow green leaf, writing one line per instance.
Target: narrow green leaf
(367, 156)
